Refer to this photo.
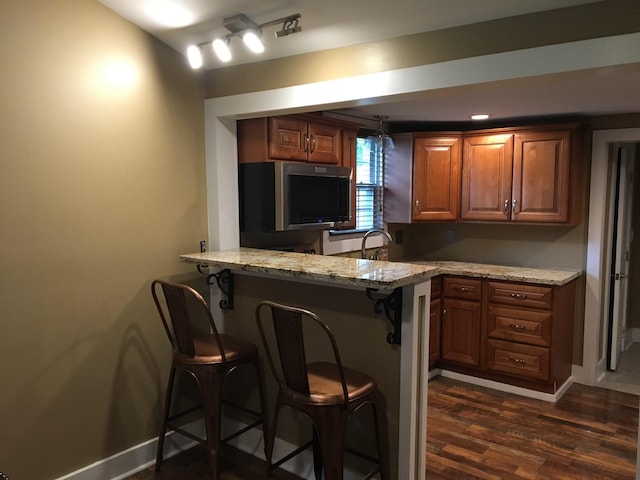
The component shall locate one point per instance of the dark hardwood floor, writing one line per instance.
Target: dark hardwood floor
(478, 433)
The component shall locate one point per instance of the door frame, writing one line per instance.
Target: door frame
(594, 348)
(621, 202)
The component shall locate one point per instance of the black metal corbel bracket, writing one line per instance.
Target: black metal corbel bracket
(392, 306)
(224, 279)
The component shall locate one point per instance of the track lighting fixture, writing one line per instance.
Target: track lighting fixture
(221, 48)
(194, 55)
(250, 32)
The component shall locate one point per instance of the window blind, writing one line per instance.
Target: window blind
(369, 184)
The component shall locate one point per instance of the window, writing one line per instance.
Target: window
(368, 183)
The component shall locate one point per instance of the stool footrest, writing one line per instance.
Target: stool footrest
(289, 456)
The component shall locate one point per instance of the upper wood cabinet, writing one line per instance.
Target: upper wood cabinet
(349, 159)
(487, 168)
(525, 175)
(422, 178)
(304, 138)
(518, 174)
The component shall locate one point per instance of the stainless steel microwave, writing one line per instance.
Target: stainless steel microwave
(278, 196)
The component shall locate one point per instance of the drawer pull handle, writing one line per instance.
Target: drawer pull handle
(462, 289)
(518, 327)
(519, 296)
(518, 361)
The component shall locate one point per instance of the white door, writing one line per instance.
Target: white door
(621, 242)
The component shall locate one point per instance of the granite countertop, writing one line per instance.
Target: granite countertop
(545, 276)
(356, 272)
(344, 271)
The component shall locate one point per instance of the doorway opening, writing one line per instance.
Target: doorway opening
(621, 251)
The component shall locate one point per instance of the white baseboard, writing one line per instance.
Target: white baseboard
(142, 456)
(504, 387)
(137, 458)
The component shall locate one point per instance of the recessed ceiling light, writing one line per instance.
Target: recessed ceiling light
(480, 116)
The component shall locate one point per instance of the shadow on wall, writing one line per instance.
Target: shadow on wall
(75, 384)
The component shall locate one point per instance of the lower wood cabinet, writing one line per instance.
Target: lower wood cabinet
(511, 332)
(435, 322)
(461, 320)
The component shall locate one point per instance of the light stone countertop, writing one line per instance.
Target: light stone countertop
(356, 272)
(543, 276)
(344, 271)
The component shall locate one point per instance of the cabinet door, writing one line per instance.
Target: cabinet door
(288, 138)
(541, 174)
(435, 320)
(436, 178)
(325, 144)
(461, 331)
(486, 177)
(349, 159)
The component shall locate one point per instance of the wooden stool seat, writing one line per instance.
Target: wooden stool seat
(325, 387)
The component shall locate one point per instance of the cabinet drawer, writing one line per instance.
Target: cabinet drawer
(436, 287)
(517, 359)
(536, 296)
(525, 326)
(462, 287)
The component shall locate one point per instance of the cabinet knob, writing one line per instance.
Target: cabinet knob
(305, 144)
(417, 207)
(505, 208)
(517, 327)
(518, 361)
(514, 206)
(462, 289)
(313, 144)
(519, 296)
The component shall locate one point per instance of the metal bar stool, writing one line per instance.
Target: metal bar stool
(326, 392)
(209, 358)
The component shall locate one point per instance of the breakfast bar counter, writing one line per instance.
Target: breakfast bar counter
(350, 272)
(341, 291)
(352, 296)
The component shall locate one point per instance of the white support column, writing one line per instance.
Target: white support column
(221, 152)
(414, 369)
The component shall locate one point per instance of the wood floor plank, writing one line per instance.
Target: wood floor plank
(589, 434)
(484, 434)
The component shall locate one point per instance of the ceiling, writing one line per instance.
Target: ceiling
(337, 23)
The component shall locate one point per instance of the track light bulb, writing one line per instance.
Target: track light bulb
(221, 48)
(194, 55)
(252, 40)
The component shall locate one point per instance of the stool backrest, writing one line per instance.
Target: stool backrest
(287, 322)
(179, 300)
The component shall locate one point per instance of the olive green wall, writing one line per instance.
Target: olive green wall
(102, 185)
(361, 336)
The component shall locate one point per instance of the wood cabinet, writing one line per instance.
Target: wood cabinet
(519, 174)
(422, 178)
(349, 159)
(435, 322)
(461, 320)
(525, 175)
(530, 331)
(487, 168)
(511, 332)
(302, 138)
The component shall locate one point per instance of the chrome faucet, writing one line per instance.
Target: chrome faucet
(376, 255)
